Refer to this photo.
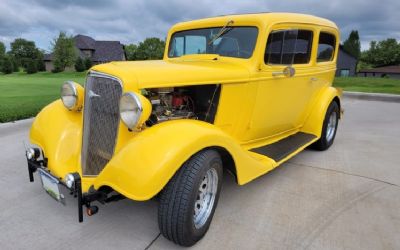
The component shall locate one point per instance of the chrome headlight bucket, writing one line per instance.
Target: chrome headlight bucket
(69, 180)
(32, 153)
(71, 95)
(134, 109)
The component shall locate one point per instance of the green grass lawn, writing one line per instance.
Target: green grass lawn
(23, 95)
(368, 84)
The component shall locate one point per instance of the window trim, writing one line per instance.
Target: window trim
(294, 27)
(214, 27)
(334, 48)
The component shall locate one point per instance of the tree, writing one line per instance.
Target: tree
(79, 65)
(63, 51)
(40, 61)
(150, 49)
(7, 66)
(352, 45)
(382, 53)
(31, 66)
(14, 63)
(22, 50)
(2, 50)
(131, 52)
(87, 63)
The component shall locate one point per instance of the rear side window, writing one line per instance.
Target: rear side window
(288, 47)
(326, 47)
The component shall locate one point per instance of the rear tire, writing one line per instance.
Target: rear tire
(188, 202)
(329, 128)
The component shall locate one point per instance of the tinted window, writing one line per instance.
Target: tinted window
(288, 47)
(326, 47)
(234, 42)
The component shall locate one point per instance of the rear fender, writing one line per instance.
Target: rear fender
(314, 122)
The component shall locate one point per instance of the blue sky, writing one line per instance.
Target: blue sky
(130, 21)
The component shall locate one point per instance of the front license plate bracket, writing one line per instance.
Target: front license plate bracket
(51, 185)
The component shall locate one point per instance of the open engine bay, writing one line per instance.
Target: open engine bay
(191, 102)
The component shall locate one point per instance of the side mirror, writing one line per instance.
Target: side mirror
(288, 71)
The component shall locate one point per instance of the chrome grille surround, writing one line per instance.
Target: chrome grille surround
(100, 121)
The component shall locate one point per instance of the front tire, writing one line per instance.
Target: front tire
(329, 128)
(188, 202)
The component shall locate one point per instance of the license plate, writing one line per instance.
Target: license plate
(51, 186)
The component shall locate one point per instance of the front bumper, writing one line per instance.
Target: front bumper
(75, 190)
(83, 199)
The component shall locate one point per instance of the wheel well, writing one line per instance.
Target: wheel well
(337, 100)
(227, 161)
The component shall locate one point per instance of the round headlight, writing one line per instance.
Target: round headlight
(32, 153)
(130, 109)
(69, 95)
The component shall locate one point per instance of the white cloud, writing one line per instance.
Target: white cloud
(132, 21)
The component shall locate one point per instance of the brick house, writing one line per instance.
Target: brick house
(97, 51)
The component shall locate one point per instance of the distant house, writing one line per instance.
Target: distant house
(387, 71)
(346, 63)
(96, 51)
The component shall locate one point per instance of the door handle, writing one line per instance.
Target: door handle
(313, 79)
(288, 72)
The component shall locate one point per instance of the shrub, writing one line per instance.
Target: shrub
(40, 65)
(79, 65)
(15, 64)
(88, 63)
(7, 66)
(31, 66)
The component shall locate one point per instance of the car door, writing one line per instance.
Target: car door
(282, 99)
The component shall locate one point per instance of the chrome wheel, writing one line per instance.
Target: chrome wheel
(205, 198)
(331, 126)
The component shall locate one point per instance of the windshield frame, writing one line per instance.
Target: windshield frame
(170, 42)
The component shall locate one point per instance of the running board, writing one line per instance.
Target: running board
(281, 149)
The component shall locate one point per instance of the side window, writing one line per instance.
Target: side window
(326, 47)
(288, 47)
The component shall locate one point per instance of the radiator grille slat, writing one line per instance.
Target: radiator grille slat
(100, 122)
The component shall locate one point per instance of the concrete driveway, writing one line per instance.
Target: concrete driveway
(345, 198)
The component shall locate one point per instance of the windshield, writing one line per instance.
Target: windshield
(234, 42)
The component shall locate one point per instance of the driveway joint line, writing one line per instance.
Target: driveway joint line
(154, 240)
(345, 173)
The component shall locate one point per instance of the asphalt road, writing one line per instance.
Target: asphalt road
(345, 198)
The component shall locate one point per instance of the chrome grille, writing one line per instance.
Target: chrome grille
(100, 121)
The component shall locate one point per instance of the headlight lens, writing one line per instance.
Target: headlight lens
(130, 109)
(69, 95)
(69, 180)
(32, 153)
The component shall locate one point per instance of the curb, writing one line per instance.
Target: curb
(372, 96)
(10, 127)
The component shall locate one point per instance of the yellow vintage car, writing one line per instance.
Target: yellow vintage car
(240, 94)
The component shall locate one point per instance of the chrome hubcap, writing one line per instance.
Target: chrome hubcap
(205, 198)
(331, 127)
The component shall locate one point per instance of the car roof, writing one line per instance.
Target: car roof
(263, 18)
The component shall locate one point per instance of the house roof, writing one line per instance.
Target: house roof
(341, 47)
(108, 51)
(48, 57)
(84, 42)
(103, 51)
(394, 69)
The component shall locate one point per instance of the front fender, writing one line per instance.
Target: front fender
(314, 122)
(58, 132)
(149, 160)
